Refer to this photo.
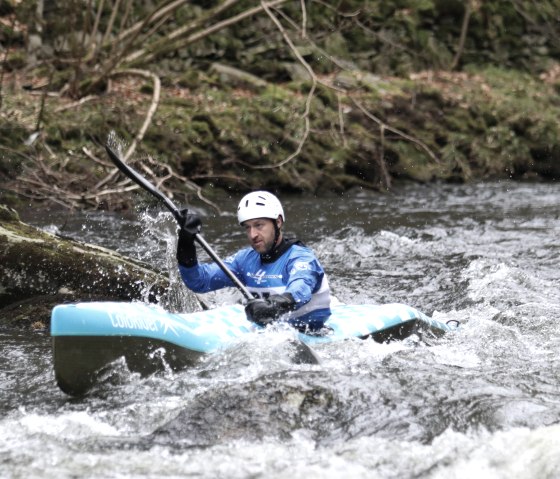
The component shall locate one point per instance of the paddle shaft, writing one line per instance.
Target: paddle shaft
(141, 181)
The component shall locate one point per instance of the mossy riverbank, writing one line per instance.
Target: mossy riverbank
(393, 90)
(490, 123)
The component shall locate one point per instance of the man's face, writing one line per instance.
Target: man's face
(260, 233)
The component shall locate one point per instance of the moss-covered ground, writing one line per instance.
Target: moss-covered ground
(465, 126)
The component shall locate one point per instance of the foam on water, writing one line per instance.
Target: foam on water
(480, 402)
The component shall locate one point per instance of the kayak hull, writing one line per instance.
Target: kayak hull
(88, 338)
(80, 362)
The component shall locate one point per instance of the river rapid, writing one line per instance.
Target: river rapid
(482, 402)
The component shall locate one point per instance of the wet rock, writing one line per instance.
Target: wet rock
(273, 406)
(39, 270)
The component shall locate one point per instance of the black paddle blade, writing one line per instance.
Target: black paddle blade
(302, 353)
(116, 158)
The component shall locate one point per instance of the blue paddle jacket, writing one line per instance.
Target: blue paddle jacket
(297, 271)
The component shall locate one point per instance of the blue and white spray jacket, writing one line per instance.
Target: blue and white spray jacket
(297, 272)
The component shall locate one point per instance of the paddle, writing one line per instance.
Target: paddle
(303, 354)
(141, 181)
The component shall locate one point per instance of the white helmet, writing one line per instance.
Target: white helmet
(259, 204)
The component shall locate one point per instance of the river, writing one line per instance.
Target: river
(483, 401)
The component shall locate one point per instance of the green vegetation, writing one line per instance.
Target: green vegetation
(429, 90)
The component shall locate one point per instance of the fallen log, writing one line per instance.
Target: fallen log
(39, 270)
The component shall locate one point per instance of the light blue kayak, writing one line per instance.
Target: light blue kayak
(88, 337)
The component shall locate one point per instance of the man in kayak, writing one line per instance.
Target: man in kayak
(284, 275)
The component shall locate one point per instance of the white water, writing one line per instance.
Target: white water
(483, 402)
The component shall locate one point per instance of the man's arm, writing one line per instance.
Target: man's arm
(202, 278)
(304, 278)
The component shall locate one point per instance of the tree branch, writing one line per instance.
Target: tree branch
(175, 40)
(463, 37)
(310, 95)
(384, 126)
(151, 110)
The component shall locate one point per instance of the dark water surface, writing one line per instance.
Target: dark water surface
(481, 402)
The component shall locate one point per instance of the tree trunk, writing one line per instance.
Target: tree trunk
(39, 270)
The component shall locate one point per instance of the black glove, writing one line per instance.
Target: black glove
(265, 311)
(190, 227)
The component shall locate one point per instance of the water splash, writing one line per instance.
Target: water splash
(116, 143)
(483, 401)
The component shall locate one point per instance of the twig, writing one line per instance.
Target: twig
(385, 126)
(335, 10)
(91, 156)
(152, 17)
(463, 37)
(382, 163)
(112, 174)
(18, 153)
(310, 95)
(155, 28)
(184, 181)
(109, 192)
(151, 111)
(75, 104)
(303, 20)
(167, 44)
(340, 117)
(93, 34)
(43, 100)
(127, 10)
(318, 48)
(109, 28)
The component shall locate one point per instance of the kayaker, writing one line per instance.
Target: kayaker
(284, 275)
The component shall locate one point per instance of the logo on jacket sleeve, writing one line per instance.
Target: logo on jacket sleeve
(300, 266)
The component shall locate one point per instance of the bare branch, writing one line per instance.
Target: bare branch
(341, 118)
(310, 95)
(109, 28)
(127, 10)
(463, 37)
(176, 41)
(153, 106)
(153, 17)
(147, 121)
(318, 48)
(91, 156)
(76, 104)
(95, 26)
(183, 180)
(116, 58)
(384, 126)
(382, 163)
(303, 20)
